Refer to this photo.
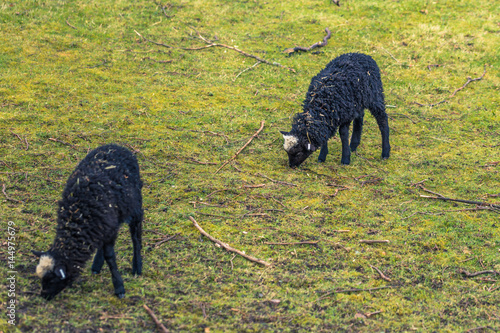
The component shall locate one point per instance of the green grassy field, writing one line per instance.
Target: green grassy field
(76, 74)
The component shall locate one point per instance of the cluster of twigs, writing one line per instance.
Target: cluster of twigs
(469, 80)
(213, 44)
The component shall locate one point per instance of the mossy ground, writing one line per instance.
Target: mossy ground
(74, 75)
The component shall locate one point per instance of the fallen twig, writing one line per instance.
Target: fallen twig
(486, 205)
(64, 143)
(382, 275)
(7, 197)
(71, 26)
(467, 274)
(204, 163)
(25, 141)
(246, 144)
(274, 181)
(315, 45)
(369, 314)
(296, 243)
(340, 246)
(350, 291)
(368, 241)
(371, 181)
(152, 41)
(480, 328)
(163, 9)
(226, 246)
(247, 69)
(480, 203)
(469, 80)
(159, 325)
(403, 115)
(165, 240)
(254, 186)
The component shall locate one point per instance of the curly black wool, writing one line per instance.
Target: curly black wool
(338, 95)
(103, 192)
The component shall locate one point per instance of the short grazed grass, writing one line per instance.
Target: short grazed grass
(75, 74)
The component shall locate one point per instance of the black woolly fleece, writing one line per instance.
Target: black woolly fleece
(337, 95)
(102, 192)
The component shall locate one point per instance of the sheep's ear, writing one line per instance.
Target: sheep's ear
(60, 272)
(38, 253)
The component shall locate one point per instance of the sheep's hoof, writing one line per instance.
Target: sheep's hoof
(120, 296)
(95, 272)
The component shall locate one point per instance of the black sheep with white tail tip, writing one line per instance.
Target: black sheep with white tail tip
(337, 96)
(103, 192)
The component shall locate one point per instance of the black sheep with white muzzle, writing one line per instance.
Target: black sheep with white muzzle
(337, 96)
(103, 192)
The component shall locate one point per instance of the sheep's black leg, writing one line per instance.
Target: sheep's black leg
(136, 233)
(344, 137)
(323, 153)
(383, 125)
(357, 128)
(98, 262)
(109, 256)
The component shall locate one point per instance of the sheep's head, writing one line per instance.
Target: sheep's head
(297, 150)
(53, 275)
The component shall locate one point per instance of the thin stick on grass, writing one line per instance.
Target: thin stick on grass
(467, 274)
(7, 197)
(355, 290)
(63, 142)
(227, 247)
(71, 26)
(152, 41)
(469, 80)
(273, 180)
(480, 328)
(296, 243)
(25, 141)
(369, 241)
(165, 240)
(485, 205)
(159, 325)
(246, 144)
(315, 45)
(471, 202)
(382, 275)
(200, 162)
(247, 69)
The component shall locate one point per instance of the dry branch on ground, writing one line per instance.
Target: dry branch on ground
(312, 47)
(226, 246)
